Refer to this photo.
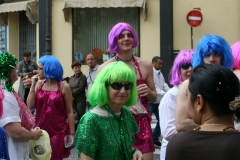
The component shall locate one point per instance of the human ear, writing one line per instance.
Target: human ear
(200, 102)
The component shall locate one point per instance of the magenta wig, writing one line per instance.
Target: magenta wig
(236, 55)
(184, 56)
(114, 34)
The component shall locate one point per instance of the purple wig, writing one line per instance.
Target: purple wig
(184, 56)
(236, 55)
(114, 34)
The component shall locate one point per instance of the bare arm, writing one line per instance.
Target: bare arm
(32, 93)
(66, 91)
(19, 133)
(147, 89)
(183, 119)
(84, 157)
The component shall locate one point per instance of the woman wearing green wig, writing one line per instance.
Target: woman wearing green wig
(107, 130)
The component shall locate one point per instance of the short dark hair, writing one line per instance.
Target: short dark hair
(218, 86)
(26, 53)
(156, 58)
(74, 64)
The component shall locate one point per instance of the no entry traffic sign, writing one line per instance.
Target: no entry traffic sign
(194, 18)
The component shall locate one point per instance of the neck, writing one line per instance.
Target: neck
(125, 55)
(115, 107)
(50, 82)
(218, 123)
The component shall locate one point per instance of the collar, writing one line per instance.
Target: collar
(94, 69)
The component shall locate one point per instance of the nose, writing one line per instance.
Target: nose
(190, 69)
(122, 90)
(211, 58)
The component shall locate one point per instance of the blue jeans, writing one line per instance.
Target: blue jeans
(153, 108)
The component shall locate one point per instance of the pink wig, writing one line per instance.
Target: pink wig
(114, 34)
(184, 56)
(236, 55)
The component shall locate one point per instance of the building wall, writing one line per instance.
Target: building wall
(62, 35)
(220, 17)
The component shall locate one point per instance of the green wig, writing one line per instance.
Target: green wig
(114, 71)
(7, 63)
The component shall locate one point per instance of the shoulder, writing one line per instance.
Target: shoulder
(172, 92)
(105, 63)
(144, 63)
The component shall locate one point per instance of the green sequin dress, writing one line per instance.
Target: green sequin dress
(106, 137)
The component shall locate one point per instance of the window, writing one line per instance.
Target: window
(3, 40)
(91, 27)
(27, 36)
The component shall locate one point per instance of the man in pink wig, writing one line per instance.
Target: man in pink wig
(122, 39)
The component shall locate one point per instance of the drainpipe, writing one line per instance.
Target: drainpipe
(48, 48)
(166, 36)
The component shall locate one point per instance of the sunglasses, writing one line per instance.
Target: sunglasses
(118, 85)
(185, 66)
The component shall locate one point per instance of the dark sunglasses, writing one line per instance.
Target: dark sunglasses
(118, 85)
(185, 66)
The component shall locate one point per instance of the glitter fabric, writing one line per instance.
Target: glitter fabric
(51, 116)
(27, 119)
(7, 62)
(102, 137)
(143, 139)
(3, 145)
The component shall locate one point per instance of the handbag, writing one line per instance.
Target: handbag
(139, 108)
(41, 149)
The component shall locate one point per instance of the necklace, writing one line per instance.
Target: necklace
(212, 124)
(125, 60)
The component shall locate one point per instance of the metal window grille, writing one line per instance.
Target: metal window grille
(3, 38)
(92, 25)
(27, 36)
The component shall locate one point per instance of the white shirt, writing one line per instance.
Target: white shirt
(167, 109)
(11, 111)
(91, 75)
(161, 86)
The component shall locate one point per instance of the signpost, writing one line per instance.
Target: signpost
(194, 19)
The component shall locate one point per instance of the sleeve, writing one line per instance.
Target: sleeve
(81, 86)
(86, 138)
(11, 110)
(165, 87)
(20, 68)
(167, 117)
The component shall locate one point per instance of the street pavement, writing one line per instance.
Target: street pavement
(74, 156)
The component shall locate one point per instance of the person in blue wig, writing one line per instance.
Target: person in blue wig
(52, 99)
(211, 49)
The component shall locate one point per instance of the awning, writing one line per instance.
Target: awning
(31, 8)
(99, 4)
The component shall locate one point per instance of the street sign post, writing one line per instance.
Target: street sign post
(194, 19)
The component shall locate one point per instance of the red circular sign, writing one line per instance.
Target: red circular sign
(194, 17)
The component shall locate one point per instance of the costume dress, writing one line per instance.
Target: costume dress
(11, 113)
(144, 138)
(167, 114)
(51, 116)
(204, 145)
(3, 145)
(105, 135)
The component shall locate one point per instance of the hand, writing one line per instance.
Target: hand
(35, 71)
(137, 155)
(34, 79)
(37, 133)
(143, 90)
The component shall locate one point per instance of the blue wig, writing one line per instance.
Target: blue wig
(52, 68)
(213, 44)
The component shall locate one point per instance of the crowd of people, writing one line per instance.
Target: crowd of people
(194, 117)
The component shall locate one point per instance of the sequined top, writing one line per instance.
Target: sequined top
(51, 116)
(3, 145)
(99, 136)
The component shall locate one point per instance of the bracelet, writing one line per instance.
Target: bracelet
(72, 134)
